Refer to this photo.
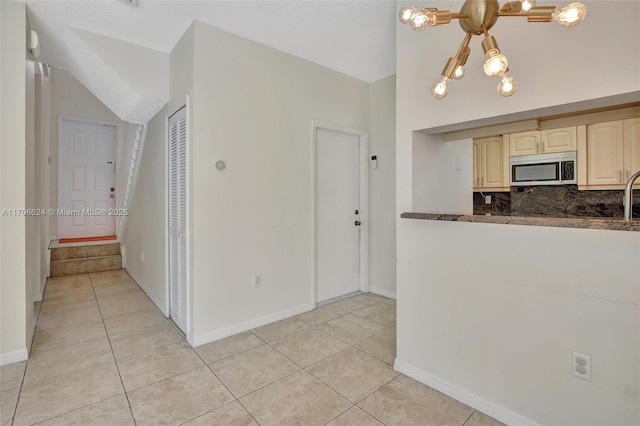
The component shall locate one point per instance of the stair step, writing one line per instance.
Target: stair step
(84, 251)
(74, 266)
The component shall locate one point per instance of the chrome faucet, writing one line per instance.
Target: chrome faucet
(628, 195)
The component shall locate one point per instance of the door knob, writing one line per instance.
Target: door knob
(112, 196)
(357, 211)
(357, 223)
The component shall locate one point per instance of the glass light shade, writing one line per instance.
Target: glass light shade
(527, 4)
(507, 86)
(570, 15)
(459, 72)
(440, 88)
(421, 19)
(406, 13)
(496, 64)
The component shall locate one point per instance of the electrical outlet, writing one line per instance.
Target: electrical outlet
(487, 199)
(581, 365)
(257, 280)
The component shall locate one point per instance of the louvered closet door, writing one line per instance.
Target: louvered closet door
(178, 217)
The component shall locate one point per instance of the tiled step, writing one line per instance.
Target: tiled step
(85, 258)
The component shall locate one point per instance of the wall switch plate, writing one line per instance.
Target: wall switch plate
(257, 280)
(142, 256)
(581, 365)
(458, 162)
(487, 199)
(374, 161)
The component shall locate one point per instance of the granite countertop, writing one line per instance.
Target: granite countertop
(587, 223)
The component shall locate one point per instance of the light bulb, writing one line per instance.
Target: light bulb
(459, 72)
(496, 64)
(421, 19)
(440, 88)
(507, 86)
(406, 13)
(570, 15)
(527, 4)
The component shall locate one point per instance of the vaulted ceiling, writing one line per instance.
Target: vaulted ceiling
(117, 50)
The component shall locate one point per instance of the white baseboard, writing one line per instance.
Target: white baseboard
(383, 292)
(248, 325)
(13, 357)
(145, 288)
(474, 401)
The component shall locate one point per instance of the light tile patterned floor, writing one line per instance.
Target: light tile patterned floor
(104, 355)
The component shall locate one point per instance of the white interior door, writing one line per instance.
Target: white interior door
(86, 179)
(337, 214)
(178, 218)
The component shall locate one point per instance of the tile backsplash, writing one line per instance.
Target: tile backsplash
(555, 201)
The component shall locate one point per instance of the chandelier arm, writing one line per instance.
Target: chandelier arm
(535, 14)
(464, 45)
(460, 58)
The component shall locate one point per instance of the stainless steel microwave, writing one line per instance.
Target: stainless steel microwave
(544, 169)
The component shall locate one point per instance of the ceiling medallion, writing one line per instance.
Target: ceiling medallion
(477, 17)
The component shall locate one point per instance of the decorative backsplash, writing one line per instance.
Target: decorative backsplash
(555, 201)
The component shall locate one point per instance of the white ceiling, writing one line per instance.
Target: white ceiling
(355, 37)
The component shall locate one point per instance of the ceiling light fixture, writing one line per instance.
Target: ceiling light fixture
(477, 17)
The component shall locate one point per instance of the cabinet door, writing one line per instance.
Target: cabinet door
(605, 151)
(477, 166)
(493, 163)
(632, 148)
(525, 143)
(558, 140)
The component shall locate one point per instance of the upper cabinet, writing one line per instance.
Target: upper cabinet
(524, 143)
(491, 164)
(542, 142)
(631, 146)
(612, 153)
(558, 140)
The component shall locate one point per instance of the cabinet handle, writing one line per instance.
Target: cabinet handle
(627, 175)
(620, 176)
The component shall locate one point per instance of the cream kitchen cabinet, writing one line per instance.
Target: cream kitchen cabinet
(543, 142)
(491, 164)
(559, 140)
(613, 153)
(524, 143)
(631, 148)
(605, 153)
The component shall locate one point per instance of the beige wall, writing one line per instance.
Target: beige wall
(13, 280)
(253, 107)
(145, 234)
(382, 187)
(490, 314)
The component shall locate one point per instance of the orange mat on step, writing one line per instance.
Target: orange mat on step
(87, 239)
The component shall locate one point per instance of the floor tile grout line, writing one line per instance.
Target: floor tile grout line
(164, 378)
(470, 415)
(228, 390)
(78, 409)
(369, 413)
(113, 354)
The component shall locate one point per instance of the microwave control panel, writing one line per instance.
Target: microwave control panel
(568, 170)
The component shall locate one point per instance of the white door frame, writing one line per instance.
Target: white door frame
(364, 204)
(62, 118)
(167, 307)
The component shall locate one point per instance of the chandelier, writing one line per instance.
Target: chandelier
(476, 18)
